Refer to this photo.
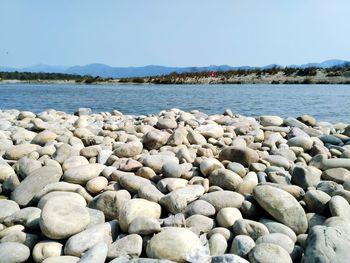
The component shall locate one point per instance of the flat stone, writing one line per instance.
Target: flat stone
(129, 149)
(83, 173)
(338, 175)
(210, 131)
(221, 199)
(225, 179)
(16, 152)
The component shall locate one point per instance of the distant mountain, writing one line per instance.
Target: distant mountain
(106, 71)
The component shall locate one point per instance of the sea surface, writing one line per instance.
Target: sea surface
(324, 102)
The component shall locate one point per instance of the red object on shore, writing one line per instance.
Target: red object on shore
(212, 73)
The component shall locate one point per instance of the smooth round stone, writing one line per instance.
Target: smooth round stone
(177, 200)
(74, 161)
(330, 139)
(171, 170)
(223, 231)
(316, 201)
(225, 179)
(61, 194)
(144, 225)
(301, 141)
(242, 155)
(44, 137)
(45, 249)
(129, 246)
(241, 245)
(129, 149)
(166, 124)
(199, 224)
(96, 254)
(276, 227)
(200, 207)
(110, 202)
(338, 175)
(277, 239)
(7, 208)
(154, 139)
(308, 120)
(16, 152)
(96, 184)
(173, 244)
(28, 217)
(146, 172)
(10, 230)
(270, 120)
(32, 184)
(137, 207)
(306, 176)
(209, 165)
(237, 168)
(150, 193)
(217, 244)
(221, 199)
(12, 252)
(90, 151)
(62, 217)
(83, 173)
(328, 187)
(210, 131)
(132, 183)
(227, 216)
(25, 166)
(282, 206)
(5, 171)
(156, 162)
(61, 259)
(338, 206)
(250, 228)
(78, 244)
(315, 219)
(265, 252)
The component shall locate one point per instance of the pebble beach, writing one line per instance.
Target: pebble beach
(172, 187)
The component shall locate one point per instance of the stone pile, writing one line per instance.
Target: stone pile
(173, 187)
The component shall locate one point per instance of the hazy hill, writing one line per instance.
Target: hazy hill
(106, 71)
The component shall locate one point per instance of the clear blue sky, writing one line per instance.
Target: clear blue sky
(173, 33)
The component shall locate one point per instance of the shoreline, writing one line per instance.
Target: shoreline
(179, 186)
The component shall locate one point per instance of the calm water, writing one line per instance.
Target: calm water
(325, 102)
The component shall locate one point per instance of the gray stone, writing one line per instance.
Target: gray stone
(338, 206)
(137, 207)
(338, 175)
(227, 216)
(199, 224)
(316, 201)
(45, 249)
(62, 217)
(7, 254)
(110, 202)
(144, 225)
(306, 176)
(34, 182)
(156, 162)
(282, 206)
(28, 217)
(83, 173)
(277, 239)
(225, 179)
(217, 244)
(267, 252)
(61, 259)
(78, 244)
(16, 152)
(276, 227)
(172, 170)
(221, 199)
(228, 258)
(250, 228)
(200, 207)
(129, 149)
(96, 254)
(154, 139)
(129, 246)
(241, 245)
(7, 208)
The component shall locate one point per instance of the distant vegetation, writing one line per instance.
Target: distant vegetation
(273, 75)
(32, 76)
